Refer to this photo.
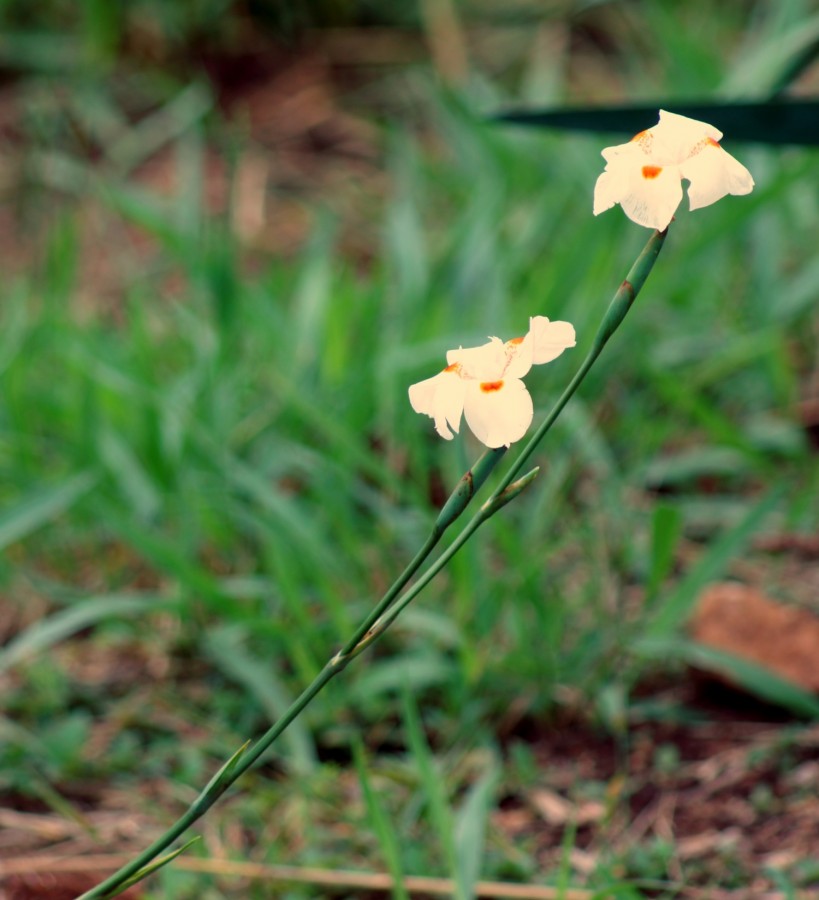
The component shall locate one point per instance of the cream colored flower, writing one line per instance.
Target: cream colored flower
(484, 384)
(645, 175)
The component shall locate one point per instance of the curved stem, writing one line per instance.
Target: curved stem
(390, 606)
(619, 306)
(464, 491)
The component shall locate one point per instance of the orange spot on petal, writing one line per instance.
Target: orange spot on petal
(453, 368)
(651, 171)
(639, 135)
(712, 143)
(490, 387)
(518, 340)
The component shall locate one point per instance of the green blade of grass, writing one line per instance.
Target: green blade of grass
(756, 679)
(791, 122)
(137, 486)
(470, 827)
(776, 59)
(666, 529)
(85, 614)
(161, 127)
(43, 505)
(673, 609)
(227, 647)
(380, 823)
(168, 557)
(434, 790)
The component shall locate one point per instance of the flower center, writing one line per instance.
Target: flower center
(490, 387)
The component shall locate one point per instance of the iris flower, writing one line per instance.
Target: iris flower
(484, 384)
(645, 175)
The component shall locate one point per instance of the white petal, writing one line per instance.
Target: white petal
(550, 339)
(638, 147)
(442, 398)
(607, 191)
(713, 173)
(500, 412)
(649, 194)
(675, 137)
(519, 354)
(484, 363)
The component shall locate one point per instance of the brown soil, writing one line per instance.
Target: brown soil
(716, 802)
(706, 808)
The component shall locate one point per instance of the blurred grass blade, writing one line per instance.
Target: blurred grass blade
(756, 679)
(666, 529)
(227, 647)
(434, 789)
(14, 325)
(39, 52)
(775, 61)
(380, 823)
(161, 127)
(50, 631)
(791, 122)
(311, 297)
(146, 210)
(170, 557)
(133, 480)
(42, 505)
(673, 609)
(470, 827)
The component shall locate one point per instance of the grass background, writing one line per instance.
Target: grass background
(208, 465)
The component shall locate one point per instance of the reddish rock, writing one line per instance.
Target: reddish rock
(740, 620)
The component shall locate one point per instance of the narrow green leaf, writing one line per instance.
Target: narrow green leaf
(509, 493)
(673, 609)
(152, 867)
(169, 558)
(137, 487)
(47, 632)
(470, 827)
(770, 66)
(666, 528)
(42, 505)
(161, 127)
(220, 781)
(433, 786)
(380, 822)
(790, 122)
(756, 679)
(227, 646)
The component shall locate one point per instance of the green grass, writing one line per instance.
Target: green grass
(224, 476)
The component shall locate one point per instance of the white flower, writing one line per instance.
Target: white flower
(644, 176)
(484, 383)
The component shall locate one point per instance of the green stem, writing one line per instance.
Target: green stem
(387, 609)
(619, 306)
(471, 481)
(464, 491)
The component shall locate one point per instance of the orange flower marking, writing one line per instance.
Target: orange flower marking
(712, 143)
(489, 387)
(644, 139)
(453, 368)
(651, 171)
(518, 340)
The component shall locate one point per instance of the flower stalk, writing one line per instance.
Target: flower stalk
(394, 601)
